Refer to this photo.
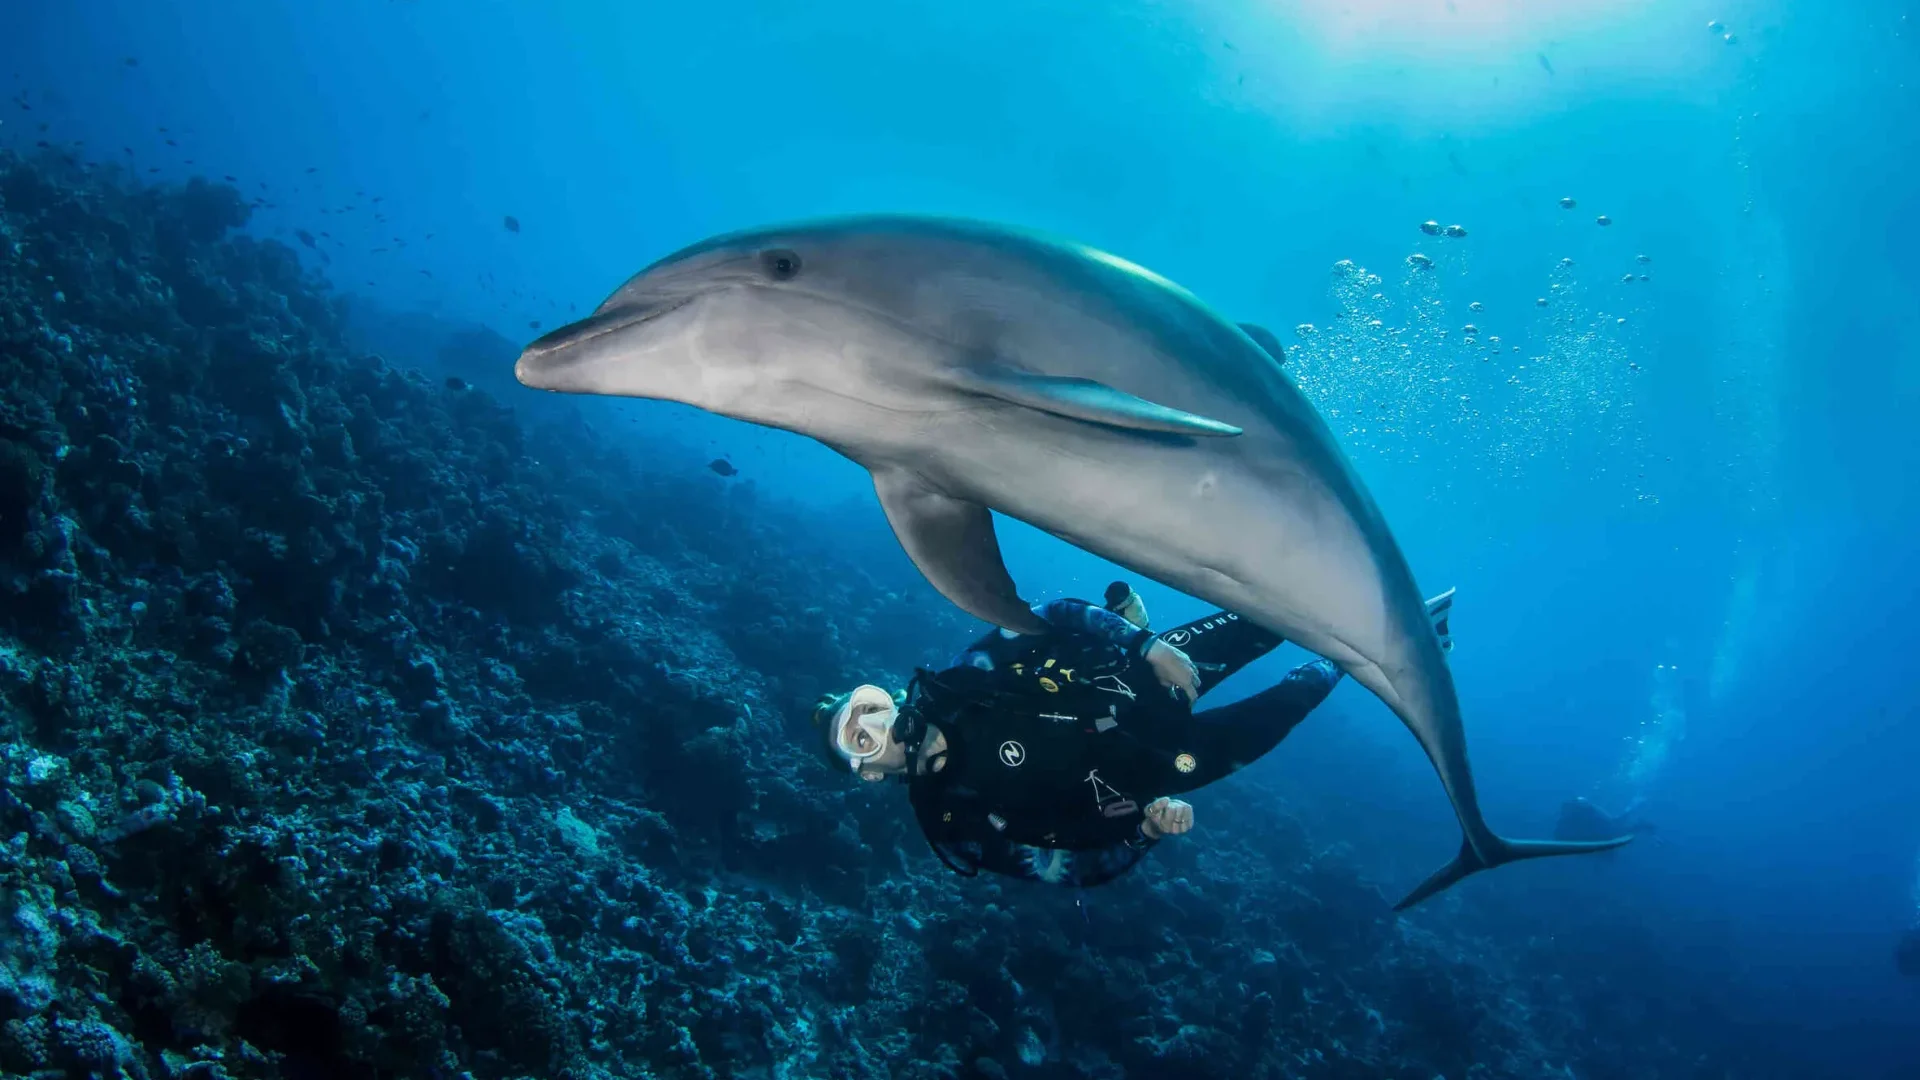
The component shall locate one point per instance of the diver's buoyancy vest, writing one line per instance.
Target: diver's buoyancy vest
(1046, 751)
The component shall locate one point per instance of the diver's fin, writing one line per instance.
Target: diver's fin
(1085, 399)
(1501, 852)
(1440, 612)
(953, 543)
(1264, 338)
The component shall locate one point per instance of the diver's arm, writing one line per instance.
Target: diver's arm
(1079, 617)
(1164, 817)
(1172, 667)
(1063, 616)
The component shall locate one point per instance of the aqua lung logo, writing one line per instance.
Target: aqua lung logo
(1012, 753)
(1179, 638)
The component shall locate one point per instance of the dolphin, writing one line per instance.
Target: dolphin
(972, 367)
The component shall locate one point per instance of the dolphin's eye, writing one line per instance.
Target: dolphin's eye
(780, 264)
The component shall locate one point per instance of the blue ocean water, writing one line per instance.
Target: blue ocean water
(1677, 497)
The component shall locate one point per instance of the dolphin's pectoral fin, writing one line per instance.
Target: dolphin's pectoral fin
(953, 543)
(1264, 338)
(1440, 614)
(1501, 851)
(1085, 399)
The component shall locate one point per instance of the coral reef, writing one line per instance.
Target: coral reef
(353, 724)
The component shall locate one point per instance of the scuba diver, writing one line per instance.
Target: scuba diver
(1056, 757)
(1581, 820)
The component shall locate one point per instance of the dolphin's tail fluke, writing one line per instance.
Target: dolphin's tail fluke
(1500, 852)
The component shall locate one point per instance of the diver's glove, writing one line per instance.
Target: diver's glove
(1166, 817)
(1174, 669)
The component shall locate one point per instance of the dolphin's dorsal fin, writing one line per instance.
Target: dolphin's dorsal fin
(1085, 399)
(1264, 338)
(952, 542)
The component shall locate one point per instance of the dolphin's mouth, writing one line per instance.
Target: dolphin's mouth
(574, 335)
(556, 361)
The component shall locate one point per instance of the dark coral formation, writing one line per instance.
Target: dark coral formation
(338, 738)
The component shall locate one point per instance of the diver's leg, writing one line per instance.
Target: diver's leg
(1225, 739)
(1221, 644)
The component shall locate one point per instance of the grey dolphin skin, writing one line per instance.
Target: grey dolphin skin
(972, 367)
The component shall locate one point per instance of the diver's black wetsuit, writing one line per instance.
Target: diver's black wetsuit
(1057, 742)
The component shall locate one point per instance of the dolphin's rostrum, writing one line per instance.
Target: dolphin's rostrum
(970, 367)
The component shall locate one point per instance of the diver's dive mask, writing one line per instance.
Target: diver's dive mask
(863, 724)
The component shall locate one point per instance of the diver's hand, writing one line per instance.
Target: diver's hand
(1167, 817)
(1174, 669)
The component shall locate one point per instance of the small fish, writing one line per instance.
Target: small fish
(170, 142)
(723, 467)
(1544, 62)
(305, 236)
(533, 324)
(313, 168)
(377, 251)
(512, 223)
(131, 61)
(454, 382)
(428, 273)
(230, 179)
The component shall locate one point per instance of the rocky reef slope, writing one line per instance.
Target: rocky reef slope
(338, 740)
